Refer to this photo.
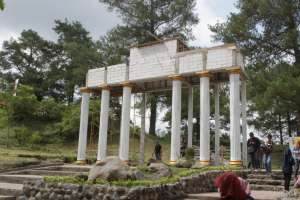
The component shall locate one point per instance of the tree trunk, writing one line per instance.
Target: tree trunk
(153, 114)
(289, 123)
(280, 129)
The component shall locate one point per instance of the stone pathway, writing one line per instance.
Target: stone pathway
(258, 195)
(11, 182)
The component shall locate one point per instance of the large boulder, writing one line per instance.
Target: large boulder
(184, 163)
(160, 170)
(111, 169)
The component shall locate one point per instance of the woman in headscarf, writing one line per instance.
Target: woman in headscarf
(287, 168)
(231, 187)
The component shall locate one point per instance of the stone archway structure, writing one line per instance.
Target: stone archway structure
(170, 65)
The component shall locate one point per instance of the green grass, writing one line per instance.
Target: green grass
(178, 173)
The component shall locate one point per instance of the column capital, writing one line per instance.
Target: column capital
(205, 73)
(85, 90)
(234, 70)
(104, 87)
(176, 77)
(127, 84)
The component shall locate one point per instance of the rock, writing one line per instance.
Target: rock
(112, 168)
(184, 164)
(160, 169)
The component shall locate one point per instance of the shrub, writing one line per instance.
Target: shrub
(189, 154)
(22, 135)
(35, 138)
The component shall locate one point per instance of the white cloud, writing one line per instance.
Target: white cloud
(209, 13)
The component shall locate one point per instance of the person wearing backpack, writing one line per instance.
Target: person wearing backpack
(253, 145)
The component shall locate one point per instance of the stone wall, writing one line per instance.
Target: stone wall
(195, 184)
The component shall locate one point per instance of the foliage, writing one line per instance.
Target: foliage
(267, 30)
(189, 154)
(160, 18)
(79, 52)
(2, 5)
(32, 59)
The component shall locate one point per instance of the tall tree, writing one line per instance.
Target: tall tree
(79, 51)
(32, 59)
(146, 20)
(265, 29)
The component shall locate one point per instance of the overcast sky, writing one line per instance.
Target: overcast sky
(39, 15)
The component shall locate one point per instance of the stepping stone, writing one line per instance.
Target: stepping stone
(266, 187)
(7, 198)
(42, 172)
(70, 168)
(11, 189)
(17, 178)
(265, 182)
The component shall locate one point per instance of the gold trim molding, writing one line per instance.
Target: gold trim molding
(205, 73)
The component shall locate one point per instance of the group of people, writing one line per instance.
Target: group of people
(291, 158)
(257, 149)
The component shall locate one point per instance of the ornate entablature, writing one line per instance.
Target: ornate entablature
(151, 64)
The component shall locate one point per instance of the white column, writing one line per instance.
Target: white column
(176, 120)
(217, 123)
(204, 119)
(190, 117)
(244, 122)
(142, 134)
(235, 112)
(84, 117)
(104, 114)
(125, 119)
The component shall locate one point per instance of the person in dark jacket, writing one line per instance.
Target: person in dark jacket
(287, 168)
(157, 151)
(253, 145)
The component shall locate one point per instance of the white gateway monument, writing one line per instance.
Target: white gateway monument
(170, 65)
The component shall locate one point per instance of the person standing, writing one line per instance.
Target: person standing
(157, 151)
(296, 152)
(287, 168)
(253, 145)
(267, 158)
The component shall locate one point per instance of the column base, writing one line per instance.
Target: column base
(80, 162)
(172, 162)
(236, 163)
(204, 162)
(125, 161)
(99, 162)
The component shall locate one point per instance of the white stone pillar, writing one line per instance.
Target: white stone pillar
(190, 117)
(235, 112)
(176, 119)
(125, 119)
(84, 118)
(217, 123)
(204, 118)
(143, 125)
(244, 122)
(104, 114)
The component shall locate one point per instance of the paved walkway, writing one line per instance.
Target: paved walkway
(258, 195)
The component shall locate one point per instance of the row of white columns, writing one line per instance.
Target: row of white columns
(235, 115)
(235, 111)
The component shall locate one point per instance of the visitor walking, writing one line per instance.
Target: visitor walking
(296, 152)
(253, 145)
(157, 151)
(267, 158)
(287, 168)
(232, 187)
